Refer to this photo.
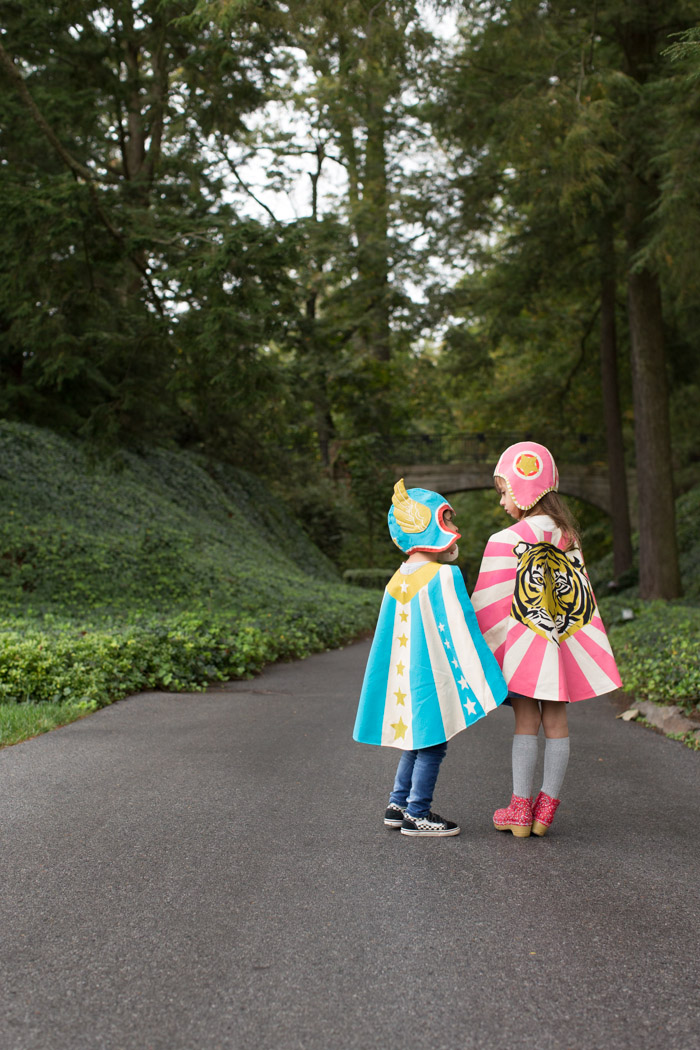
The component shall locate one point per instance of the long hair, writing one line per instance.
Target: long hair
(553, 505)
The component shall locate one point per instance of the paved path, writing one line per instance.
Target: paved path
(198, 872)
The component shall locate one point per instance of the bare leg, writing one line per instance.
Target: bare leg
(527, 715)
(554, 719)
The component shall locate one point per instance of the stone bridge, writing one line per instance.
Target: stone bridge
(463, 461)
(586, 482)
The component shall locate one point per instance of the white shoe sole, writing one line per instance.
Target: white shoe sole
(419, 833)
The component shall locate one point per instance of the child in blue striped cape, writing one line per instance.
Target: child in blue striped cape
(430, 673)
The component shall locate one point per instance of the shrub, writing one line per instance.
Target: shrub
(96, 662)
(657, 651)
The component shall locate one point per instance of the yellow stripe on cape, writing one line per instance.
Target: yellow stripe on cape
(403, 587)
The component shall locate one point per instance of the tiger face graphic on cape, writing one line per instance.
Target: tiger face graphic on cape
(552, 595)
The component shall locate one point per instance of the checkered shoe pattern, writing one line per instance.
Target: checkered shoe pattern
(432, 824)
(394, 815)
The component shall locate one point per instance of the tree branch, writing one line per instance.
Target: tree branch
(68, 159)
(244, 186)
(79, 170)
(582, 355)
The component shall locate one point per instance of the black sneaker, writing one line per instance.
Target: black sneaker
(431, 824)
(394, 815)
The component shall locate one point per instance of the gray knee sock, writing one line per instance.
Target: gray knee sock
(556, 758)
(524, 762)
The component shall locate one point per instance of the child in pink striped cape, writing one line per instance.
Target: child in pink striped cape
(538, 615)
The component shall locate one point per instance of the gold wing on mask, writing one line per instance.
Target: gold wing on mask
(411, 515)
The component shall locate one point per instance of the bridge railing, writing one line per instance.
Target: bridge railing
(486, 447)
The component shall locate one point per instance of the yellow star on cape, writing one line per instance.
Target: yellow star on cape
(399, 729)
(402, 640)
(400, 697)
(404, 617)
(399, 668)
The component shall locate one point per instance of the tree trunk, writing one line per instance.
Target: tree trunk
(619, 504)
(325, 429)
(373, 234)
(659, 574)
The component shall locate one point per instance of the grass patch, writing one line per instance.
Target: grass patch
(23, 721)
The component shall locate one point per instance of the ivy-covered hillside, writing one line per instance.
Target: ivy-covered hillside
(160, 570)
(140, 531)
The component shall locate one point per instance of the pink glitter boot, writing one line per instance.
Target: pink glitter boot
(516, 818)
(543, 813)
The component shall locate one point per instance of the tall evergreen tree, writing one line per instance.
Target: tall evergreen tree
(546, 87)
(109, 205)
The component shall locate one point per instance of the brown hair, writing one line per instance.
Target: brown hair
(553, 505)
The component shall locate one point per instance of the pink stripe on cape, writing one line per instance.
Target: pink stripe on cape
(537, 664)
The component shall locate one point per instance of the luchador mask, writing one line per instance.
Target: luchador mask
(529, 471)
(416, 520)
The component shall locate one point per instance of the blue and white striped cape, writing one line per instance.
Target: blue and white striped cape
(430, 673)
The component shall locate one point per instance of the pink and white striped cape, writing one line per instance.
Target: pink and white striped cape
(538, 615)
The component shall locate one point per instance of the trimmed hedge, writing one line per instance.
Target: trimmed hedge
(92, 665)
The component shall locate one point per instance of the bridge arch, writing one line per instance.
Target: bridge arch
(588, 483)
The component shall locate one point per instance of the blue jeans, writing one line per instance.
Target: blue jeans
(416, 777)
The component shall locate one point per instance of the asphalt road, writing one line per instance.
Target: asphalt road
(195, 872)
